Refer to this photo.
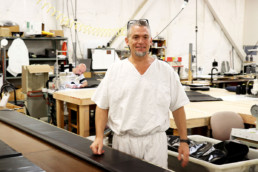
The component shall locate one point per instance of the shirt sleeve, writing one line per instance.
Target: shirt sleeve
(178, 95)
(100, 97)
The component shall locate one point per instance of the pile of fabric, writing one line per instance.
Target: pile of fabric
(221, 153)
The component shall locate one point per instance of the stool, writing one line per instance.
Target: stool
(70, 108)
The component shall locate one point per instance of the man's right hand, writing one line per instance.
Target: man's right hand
(97, 146)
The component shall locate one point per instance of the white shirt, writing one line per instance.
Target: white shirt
(76, 78)
(139, 104)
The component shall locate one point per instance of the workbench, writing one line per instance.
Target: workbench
(220, 80)
(79, 97)
(198, 113)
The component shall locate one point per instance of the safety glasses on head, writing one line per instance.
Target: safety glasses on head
(140, 22)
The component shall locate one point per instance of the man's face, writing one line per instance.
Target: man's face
(139, 41)
(79, 70)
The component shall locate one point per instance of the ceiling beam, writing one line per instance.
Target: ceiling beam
(240, 52)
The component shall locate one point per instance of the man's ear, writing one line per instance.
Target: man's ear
(127, 42)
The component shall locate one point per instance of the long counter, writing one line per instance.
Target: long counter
(55, 149)
(41, 153)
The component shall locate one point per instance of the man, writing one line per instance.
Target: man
(134, 100)
(80, 81)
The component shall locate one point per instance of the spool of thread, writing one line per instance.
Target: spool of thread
(243, 89)
(238, 89)
(248, 69)
(64, 48)
(62, 67)
(70, 67)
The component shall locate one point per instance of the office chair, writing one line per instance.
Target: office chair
(222, 123)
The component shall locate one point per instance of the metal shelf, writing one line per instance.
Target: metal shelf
(158, 47)
(36, 38)
(45, 59)
(13, 77)
(56, 44)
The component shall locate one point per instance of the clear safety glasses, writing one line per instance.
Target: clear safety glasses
(141, 22)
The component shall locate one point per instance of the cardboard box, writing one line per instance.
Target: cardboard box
(3, 30)
(57, 32)
(19, 95)
(34, 77)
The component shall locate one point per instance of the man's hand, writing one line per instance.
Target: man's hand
(97, 146)
(84, 84)
(71, 86)
(183, 150)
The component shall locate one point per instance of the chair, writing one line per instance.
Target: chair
(222, 123)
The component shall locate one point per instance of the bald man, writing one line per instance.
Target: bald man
(78, 71)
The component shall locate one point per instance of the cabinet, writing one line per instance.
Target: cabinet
(158, 48)
(37, 54)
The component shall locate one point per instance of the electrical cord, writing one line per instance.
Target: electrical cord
(70, 28)
(185, 2)
(76, 34)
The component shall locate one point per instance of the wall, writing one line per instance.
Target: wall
(251, 25)
(105, 15)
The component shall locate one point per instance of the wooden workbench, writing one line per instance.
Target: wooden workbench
(80, 97)
(198, 113)
(220, 80)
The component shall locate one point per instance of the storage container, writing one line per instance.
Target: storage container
(250, 165)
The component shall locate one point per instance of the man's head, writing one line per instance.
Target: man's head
(80, 69)
(138, 37)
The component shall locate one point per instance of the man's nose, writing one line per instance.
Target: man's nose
(141, 40)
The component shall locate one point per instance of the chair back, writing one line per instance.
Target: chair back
(222, 123)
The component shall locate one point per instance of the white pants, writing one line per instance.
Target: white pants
(151, 148)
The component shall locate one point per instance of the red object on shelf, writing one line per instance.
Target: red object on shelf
(169, 59)
(64, 48)
(179, 59)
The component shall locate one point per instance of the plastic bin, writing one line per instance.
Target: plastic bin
(250, 165)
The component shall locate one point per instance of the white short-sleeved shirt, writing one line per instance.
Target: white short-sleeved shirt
(75, 79)
(139, 104)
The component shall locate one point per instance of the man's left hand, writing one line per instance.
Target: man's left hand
(183, 153)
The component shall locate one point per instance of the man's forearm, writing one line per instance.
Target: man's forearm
(180, 120)
(101, 118)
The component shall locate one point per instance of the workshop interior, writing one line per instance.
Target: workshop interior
(55, 54)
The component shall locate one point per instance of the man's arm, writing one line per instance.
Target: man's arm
(101, 118)
(180, 120)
